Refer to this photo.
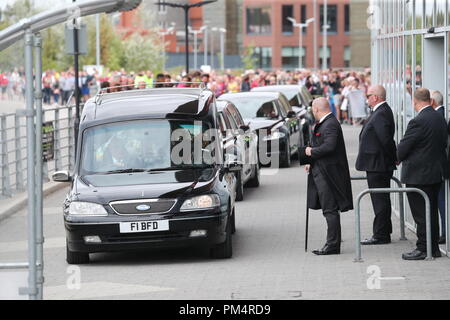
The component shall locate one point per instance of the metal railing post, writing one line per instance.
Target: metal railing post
(20, 185)
(31, 156)
(57, 141)
(38, 168)
(401, 208)
(401, 205)
(6, 183)
(391, 190)
(70, 137)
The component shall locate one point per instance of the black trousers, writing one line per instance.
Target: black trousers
(417, 205)
(381, 202)
(330, 210)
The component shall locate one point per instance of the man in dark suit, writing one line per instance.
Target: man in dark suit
(437, 101)
(422, 152)
(329, 186)
(377, 156)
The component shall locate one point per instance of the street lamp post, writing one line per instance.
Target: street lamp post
(300, 27)
(325, 28)
(213, 29)
(195, 33)
(186, 8)
(163, 35)
(222, 48)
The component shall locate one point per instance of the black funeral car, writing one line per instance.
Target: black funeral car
(272, 118)
(300, 100)
(240, 140)
(150, 172)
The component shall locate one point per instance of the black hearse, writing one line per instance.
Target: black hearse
(149, 173)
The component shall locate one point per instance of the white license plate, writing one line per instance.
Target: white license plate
(144, 226)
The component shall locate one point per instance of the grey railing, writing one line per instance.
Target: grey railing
(391, 190)
(13, 147)
(401, 205)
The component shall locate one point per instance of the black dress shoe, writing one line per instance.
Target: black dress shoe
(372, 241)
(414, 255)
(437, 254)
(326, 250)
(442, 240)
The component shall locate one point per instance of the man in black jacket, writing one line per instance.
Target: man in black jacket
(422, 152)
(377, 156)
(329, 186)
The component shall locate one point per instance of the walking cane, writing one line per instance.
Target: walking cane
(307, 215)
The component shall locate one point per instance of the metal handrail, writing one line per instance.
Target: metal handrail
(391, 190)
(401, 205)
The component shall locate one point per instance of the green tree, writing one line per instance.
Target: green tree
(249, 59)
(13, 56)
(143, 53)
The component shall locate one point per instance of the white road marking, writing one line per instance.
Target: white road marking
(392, 278)
(99, 289)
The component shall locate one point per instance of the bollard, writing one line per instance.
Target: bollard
(401, 205)
(391, 190)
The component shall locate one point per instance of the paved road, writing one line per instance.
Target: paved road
(269, 260)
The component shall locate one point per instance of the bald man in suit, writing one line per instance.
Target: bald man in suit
(329, 186)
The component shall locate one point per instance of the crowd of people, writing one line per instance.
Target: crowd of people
(335, 85)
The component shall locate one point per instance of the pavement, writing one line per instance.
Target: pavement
(269, 260)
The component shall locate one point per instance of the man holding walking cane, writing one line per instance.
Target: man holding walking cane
(329, 185)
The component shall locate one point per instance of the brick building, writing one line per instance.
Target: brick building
(276, 41)
(263, 24)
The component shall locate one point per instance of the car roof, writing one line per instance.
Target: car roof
(261, 94)
(278, 87)
(154, 102)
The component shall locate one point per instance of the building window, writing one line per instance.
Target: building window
(440, 13)
(331, 18)
(347, 56)
(303, 13)
(162, 8)
(347, 18)
(328, 56)
(289, 57)
(263, 57)
(429, 10)
(286, 12)
(303, 16)
(258, 21)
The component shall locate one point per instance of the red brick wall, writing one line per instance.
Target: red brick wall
(277, 39)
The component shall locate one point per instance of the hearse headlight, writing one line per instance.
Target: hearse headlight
(207, 201)
(78, 208)
(274, 135)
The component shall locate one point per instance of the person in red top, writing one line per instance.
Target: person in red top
(3, 85)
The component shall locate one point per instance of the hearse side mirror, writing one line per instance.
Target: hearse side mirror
(245, 127)
(61, 176)
(291, 114)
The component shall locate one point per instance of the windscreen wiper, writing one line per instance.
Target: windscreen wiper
(128, 170)
(181, 167)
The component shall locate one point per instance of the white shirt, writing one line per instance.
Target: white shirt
(438, 108)
(376, 107)
(323, 118)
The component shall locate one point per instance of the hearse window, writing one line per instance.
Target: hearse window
(141, 145)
